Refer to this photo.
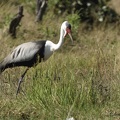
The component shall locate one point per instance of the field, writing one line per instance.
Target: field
(80, 81)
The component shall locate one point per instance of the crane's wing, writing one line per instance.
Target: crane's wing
(24, 53)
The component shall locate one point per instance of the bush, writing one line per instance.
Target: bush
(90, 11)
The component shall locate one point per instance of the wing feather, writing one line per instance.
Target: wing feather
(23, 52)
(24, 55)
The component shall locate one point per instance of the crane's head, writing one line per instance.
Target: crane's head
(67, 29)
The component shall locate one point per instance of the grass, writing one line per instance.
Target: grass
(80, 81)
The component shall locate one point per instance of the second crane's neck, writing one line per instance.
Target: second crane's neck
(58, 45)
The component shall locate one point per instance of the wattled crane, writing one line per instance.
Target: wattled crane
(31, 53)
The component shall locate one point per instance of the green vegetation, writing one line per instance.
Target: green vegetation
(80, 81)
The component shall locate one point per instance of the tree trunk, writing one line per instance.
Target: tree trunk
(15, 22)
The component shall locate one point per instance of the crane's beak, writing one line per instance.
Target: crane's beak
(69, 33)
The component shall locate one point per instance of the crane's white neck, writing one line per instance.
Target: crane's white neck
(62, 35)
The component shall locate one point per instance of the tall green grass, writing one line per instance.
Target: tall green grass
(65, 86)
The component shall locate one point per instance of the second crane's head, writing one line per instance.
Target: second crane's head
(67, 29)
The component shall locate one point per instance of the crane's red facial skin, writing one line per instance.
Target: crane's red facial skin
(67, 31)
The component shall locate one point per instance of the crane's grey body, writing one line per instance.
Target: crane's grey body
(26, 54)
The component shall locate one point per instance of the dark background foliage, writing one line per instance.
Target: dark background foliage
(90, 11)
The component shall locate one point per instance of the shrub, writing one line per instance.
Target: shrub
(90, 11)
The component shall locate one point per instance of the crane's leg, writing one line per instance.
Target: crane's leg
(20, 81)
